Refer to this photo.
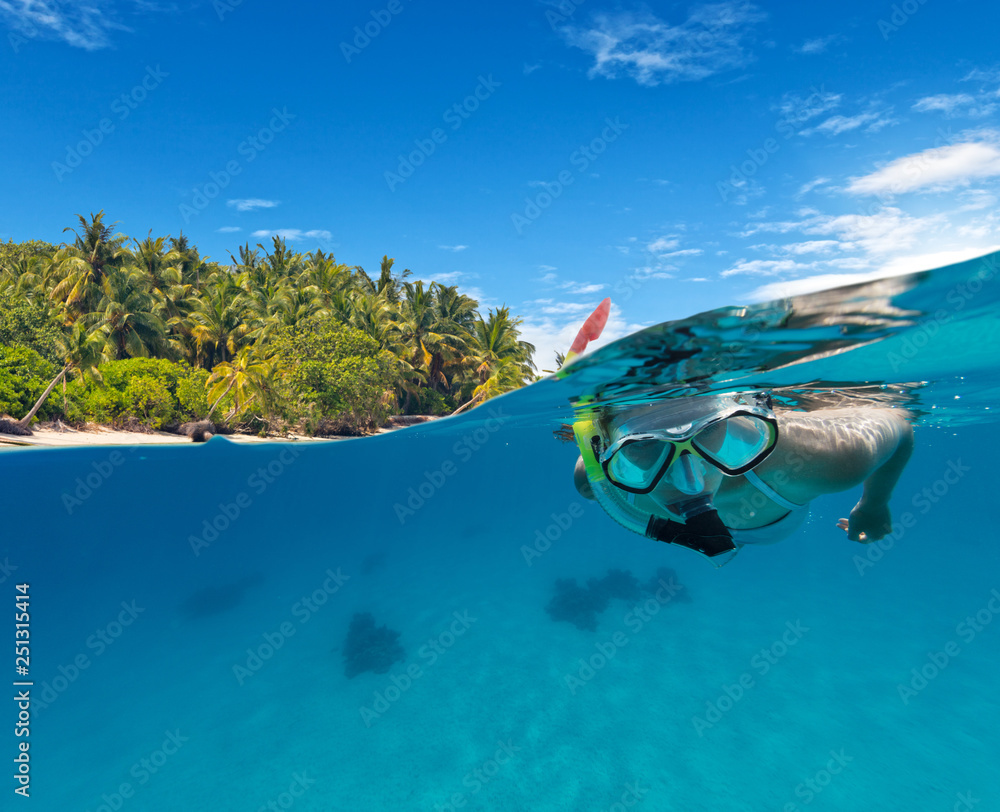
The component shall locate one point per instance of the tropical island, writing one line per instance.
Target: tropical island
(146, 335)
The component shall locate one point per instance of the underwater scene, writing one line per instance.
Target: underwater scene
(435, 618)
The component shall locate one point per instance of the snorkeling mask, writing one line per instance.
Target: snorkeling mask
(731, 432)
(630, 454)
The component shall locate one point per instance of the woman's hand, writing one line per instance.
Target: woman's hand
(868, 522)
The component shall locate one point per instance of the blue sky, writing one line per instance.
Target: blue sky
(676, 157)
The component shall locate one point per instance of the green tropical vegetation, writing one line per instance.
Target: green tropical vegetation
(148, 333)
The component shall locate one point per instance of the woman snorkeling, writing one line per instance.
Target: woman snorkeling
(715, 471)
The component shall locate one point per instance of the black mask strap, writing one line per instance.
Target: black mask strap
(704, 533)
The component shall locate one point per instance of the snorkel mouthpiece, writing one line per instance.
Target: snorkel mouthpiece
(695, 507)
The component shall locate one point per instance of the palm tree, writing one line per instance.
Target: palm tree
(246, 376)
(217, 324)
(128, 317)
(454, 315)
(388, 285)
(84, 265)
(501, 361)
(325, 278)
(81, 351)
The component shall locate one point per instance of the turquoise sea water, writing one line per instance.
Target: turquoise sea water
(188, 615)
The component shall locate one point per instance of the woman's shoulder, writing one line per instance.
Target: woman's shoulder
(830, 450)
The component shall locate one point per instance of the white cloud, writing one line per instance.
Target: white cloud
(976, 199)
(937, 169)
(958, 104)
(872, 121)
(251, 204)
(662, 271)
(946, 103)
(663, 244)
(989, 75)
(808, 187)
(82, 25)
(455, 248)
(294, 234)
(895, 267)
(447, 278)
(808, 247)
(795, 110)
(878, 235)
(228, 229)
(584, 289)
(577, 288)
(817, 45)
(529, 69)
(557, 308)
(764, 267)
(654, 52)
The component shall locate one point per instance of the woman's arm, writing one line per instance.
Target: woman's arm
(870, 519)
(835, 450)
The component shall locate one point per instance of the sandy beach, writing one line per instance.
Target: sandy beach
(50, 435)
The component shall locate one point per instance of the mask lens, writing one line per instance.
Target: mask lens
(636, 464)
(736, 441)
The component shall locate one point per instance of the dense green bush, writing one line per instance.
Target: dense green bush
(24, 374)
(26, 324)
(150, 391)
(427, 401)
(192, 393)
(332, 378)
